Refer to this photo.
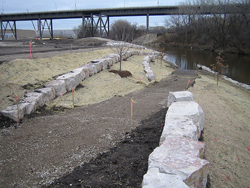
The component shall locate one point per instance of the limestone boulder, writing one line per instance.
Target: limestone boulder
(103, 62)
(91, 68)
(147, 59)
(110, 61)
(49, 93)
(115, 57)
(98, 64)
(182, 157)
(179, 96)
(83, 72)
(71, 79)
(179, 126)
(34, 101)
(145, 63)
(12, 112)
(147, 69)
(188, 109)
(150, 75)
(156, 179)
(58, 85)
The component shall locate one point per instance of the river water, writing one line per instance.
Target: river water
(238, 65)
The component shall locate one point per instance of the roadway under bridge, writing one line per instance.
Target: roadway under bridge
(94, 19)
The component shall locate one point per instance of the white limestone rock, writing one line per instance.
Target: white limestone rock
(72, 79)
(11, 111)
(147, 69)
(110, 61)
(115, 58)
(91, 68)
(147, 59)
(150, 75)
(85, 71)
(103, 62)
(34, 101)
(155, 179)
(49, 93)
(98, 65)
(182, 157)
(179, 96)
(82, 71)
(179, 126)
(58, 85)
(188, 109)
(145, 64)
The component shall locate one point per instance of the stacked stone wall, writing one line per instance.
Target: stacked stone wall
(179, 159)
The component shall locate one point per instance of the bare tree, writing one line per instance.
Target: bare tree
(120, 48)
(217, 29)
(123, 30)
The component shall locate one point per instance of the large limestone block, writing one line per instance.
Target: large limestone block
(188, 109)
(58, 85)
(179, 96)
(147, 69)
(147, 59)
(11, 111)
(103, 62)
(150, 75)
(81, 71)
(85, 71)
(49, 93)
(110, 61)
(115, 57)
(182, 157)
(145, 64)
(34, 101)
(155, 179)
(91, 68)
(98, 64)
(128, 54)
(179, 126)
(72, 79)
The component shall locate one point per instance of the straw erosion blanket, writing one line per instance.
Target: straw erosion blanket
(226, 132)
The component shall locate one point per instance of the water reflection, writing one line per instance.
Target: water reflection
(238, 65)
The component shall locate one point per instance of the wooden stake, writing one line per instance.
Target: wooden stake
(188, 83)
(73, 105)
(30, 51)
(131, 112)
(17, 110)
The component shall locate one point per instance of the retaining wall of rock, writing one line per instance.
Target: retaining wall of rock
(66, 82)
(178, 161)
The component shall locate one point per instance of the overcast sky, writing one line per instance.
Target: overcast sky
(15, 6)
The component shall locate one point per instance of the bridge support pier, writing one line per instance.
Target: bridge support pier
(4, 27)
(45, 24)
(92, 24)
(147, 23)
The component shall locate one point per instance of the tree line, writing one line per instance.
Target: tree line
(120, 30)
(216, 30)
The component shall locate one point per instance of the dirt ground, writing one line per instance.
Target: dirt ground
(95, 145)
